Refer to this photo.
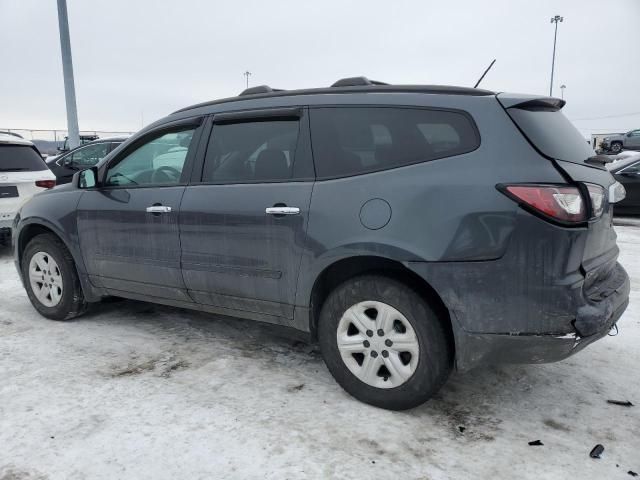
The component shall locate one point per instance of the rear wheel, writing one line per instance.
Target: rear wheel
(383, 343)
(616, 147)
(51, 279)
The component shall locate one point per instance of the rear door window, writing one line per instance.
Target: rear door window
(89, 155)
(355, 140)
(19, 158)
(249, 152)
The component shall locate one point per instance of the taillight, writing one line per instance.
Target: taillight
(617, 193)
(597, 197)
(45, 183)
(560, 203)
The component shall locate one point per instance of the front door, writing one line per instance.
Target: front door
(243, 226)
(128, 224)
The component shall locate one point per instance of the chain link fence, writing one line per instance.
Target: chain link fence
(48, 141)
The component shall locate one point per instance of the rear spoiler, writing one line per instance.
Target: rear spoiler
(530, 102)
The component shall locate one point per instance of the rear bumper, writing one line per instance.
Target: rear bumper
(539, 323)
(476, 349)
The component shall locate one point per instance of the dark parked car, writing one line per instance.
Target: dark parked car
(627, 172)
(84, 139)
(407, 229)
(85, 156)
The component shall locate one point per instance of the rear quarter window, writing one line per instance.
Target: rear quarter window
(20, 158)
(355, 140)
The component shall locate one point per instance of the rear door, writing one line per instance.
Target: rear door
(243, 222)
(128, 225)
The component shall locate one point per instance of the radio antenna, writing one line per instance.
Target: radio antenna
(485, 72)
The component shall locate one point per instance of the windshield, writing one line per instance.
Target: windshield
(17, 158)
(552, 133)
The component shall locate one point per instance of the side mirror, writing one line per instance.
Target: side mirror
(86, 178)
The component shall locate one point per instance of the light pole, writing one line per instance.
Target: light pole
(562, 87)
(555, 20)
(246, 74)
(67, 72)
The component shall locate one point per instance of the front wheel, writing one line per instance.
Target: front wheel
(383, 343)
(616, 147)
(51, 280)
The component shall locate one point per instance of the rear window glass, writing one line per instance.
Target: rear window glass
(355, 140)
(553, 134)
(19, 158)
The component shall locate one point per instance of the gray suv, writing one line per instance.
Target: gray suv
(407, 229)
(616, 143)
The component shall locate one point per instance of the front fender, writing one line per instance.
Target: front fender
(53, 211)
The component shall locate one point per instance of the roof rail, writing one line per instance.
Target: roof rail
(367, 88)
(259, 89)
(356, 82)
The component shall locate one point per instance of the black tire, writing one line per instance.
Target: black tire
(72, 302)
(616, 147)
(5, 239)
(436, 356)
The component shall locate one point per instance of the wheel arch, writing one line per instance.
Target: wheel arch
(31, 230)
(345, 268)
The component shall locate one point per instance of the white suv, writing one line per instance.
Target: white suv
(23, 173)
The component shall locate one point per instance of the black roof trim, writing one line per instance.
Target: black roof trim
(259, 89)
(356, 81)
(428, 89)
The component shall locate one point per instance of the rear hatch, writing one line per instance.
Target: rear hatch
(541, 121)
(20, 168)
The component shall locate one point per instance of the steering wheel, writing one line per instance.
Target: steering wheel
(170, 174)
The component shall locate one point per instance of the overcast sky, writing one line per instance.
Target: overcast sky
(142, 59)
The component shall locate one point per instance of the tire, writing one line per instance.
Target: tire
(68, 300)
(385, 383)
(616, 147)
(5, 237)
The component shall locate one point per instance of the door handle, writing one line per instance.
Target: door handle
(158, 209)
(282, 210)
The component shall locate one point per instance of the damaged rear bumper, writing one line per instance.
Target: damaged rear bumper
(497, 319)
(475, 349)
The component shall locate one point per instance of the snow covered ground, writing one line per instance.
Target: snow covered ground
(133, 390)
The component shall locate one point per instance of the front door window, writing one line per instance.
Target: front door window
(159, 161)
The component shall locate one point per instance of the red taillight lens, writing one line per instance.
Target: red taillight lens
(45, 183)
(562, 203)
